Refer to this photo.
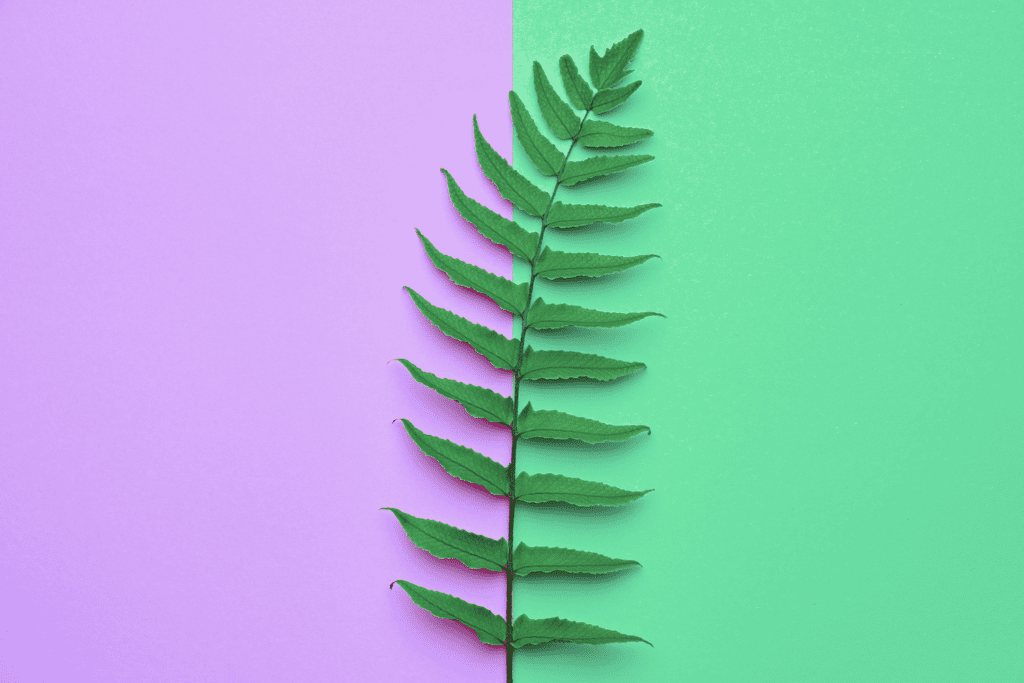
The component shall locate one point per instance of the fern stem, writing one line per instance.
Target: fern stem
(516, 379)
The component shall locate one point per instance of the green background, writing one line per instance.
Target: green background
(835, 395)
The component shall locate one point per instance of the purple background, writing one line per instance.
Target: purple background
(206, 218)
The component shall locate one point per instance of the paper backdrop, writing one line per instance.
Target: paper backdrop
(207, 213)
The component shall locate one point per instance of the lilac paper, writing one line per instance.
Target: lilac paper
(206, 218)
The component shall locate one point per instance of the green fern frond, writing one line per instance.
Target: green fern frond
(603, 93)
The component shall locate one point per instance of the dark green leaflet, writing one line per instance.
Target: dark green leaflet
(542, 152)
(539, 365)
(555, 488)
(603, 94)
(579, 171)
(444, 541)
(604, 134)
(578, 215)
(461, 462)
(509, 296)
(576, 87)
(527, 631)
(512, 185)
(560, 117)
(488, 626)
(502, 352)
(477, 401)
(608, 70)
(552, 424)
(607, 100)
(560, 265)
(494, 227)
(544, 316)
(542, 560)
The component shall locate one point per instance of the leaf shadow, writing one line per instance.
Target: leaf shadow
(569, 515)
(585, 660)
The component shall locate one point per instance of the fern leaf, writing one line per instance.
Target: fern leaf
(491, 225)
(544, 316)
(448, 542)
(478, 401)
(527, 631)
(576, 87)
(489, 627)
(560, 117)
(552, 424)
(579, 171)
(555, 488)
(539, 365)
(608, 70)
(561, 265)
(606, 100)
(509, 296)
(502, 352)
(542, 152)
(461, 462)
(512, 185)
(579, 215)
(604, 134)
(543, 560)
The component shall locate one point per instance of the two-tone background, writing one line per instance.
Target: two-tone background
(206, 219)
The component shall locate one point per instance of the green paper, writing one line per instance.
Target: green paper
(835, 395)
